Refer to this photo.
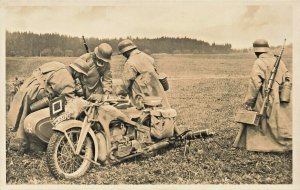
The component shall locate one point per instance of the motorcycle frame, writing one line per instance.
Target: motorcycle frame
(66, 125)
(85, 125)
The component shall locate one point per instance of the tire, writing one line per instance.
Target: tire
(72, 166)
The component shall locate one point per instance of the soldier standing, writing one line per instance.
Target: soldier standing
(50, 80)
(99, 78)
(140, 74)
(274, 132)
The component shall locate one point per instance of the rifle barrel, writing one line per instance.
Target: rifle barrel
(85, 45)
(199, 134)
(275, 68)
(271, 81)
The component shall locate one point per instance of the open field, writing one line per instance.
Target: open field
(206, 91)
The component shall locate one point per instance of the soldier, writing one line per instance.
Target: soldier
(140, 76)
(49, 80)
(99, 78)
(275, 130)
(14, 89)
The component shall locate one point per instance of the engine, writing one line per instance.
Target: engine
(123, 139)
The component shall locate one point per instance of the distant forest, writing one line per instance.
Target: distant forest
(31, 44)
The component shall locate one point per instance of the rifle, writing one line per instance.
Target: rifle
(184, 137)
(253, 117)
(271, 82)
(85, 45)
(181, 138)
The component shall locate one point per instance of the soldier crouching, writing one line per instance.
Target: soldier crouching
(48, 81)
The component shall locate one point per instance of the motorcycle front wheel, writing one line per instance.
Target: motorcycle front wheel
(61, 160)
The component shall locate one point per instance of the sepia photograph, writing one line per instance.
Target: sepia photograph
(149, 94)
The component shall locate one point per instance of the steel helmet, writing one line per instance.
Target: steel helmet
(80, 66)
(261, 45)
(126, 45)
(103, 52)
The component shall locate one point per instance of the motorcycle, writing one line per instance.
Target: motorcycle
(109, 132)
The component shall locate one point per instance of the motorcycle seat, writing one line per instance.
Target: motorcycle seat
(152, 101)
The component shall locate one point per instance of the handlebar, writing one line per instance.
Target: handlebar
(117, 100)
(100, 103)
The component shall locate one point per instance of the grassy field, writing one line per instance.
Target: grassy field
(206, 91)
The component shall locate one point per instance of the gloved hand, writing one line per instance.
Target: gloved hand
(105, 96)
(96, 97)
(120, 91)
(247, 107)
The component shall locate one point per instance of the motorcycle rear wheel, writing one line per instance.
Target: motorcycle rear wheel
(61, 160)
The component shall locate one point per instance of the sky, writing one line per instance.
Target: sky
(238, 24)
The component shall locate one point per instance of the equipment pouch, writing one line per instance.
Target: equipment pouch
(43, 103)
(285, 93)
(162, 123)
(164, 81)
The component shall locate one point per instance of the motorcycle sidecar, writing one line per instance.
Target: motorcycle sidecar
(38, 127)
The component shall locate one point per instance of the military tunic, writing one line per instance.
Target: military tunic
(99, 79)
(275, 130)
(140, 77)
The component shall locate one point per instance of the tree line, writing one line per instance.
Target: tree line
(53, 44)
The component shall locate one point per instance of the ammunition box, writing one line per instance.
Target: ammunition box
(247, 117)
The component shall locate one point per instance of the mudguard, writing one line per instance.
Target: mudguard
(66, 125)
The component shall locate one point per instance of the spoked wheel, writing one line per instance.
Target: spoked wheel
(61, 160)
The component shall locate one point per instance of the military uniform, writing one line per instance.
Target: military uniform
(275, 130)
(140, 77)
(50, 80)
(99, 79)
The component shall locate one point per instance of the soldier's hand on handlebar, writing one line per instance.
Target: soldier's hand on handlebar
(96, 97)
(105, 97)
(121, 97)
(121, 92)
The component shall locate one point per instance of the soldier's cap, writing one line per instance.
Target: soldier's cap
(261, 45)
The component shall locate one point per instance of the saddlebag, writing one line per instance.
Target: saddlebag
(162, 123)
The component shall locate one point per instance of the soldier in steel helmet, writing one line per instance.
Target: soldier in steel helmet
(52, 79)
(140, 74)
(98, 82)
(275, 130)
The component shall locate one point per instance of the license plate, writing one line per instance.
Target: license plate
(61, 118)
